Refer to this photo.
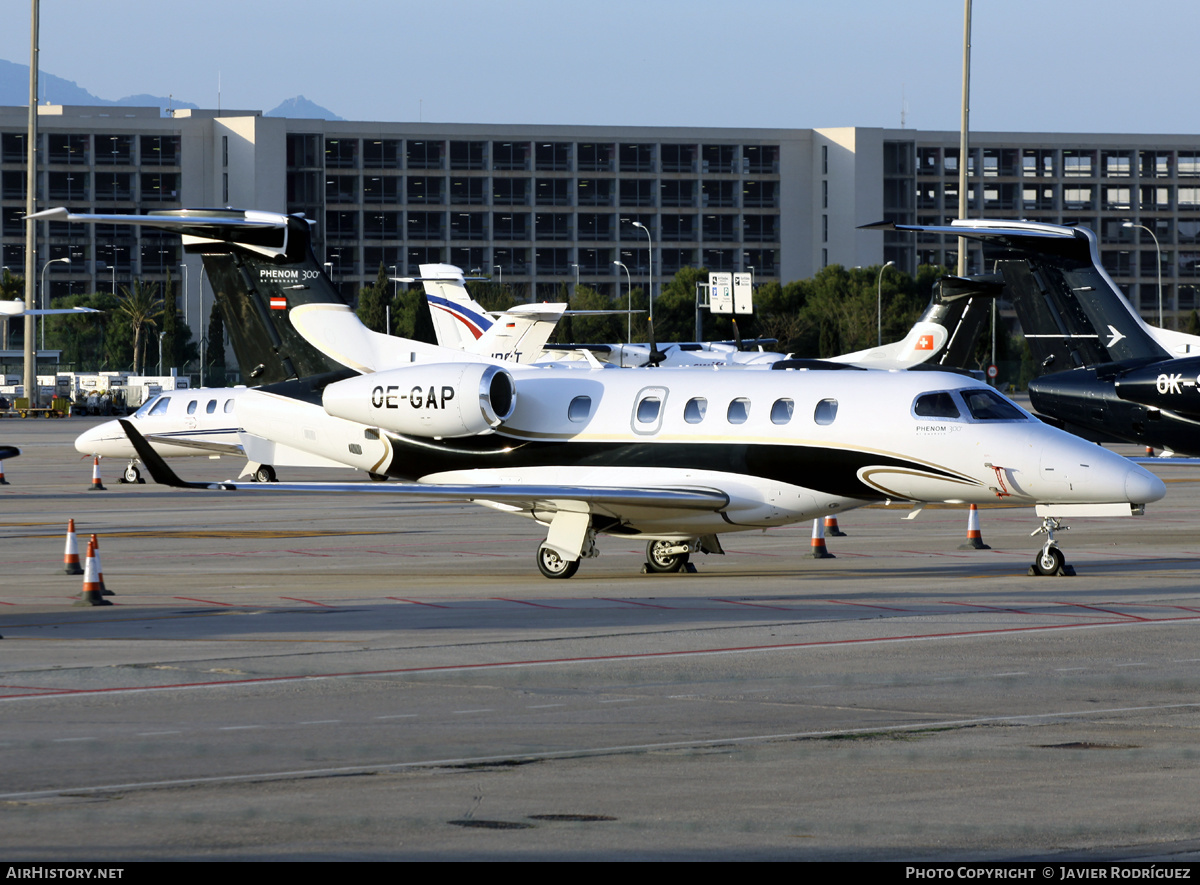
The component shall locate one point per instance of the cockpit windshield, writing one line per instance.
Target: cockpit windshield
(987, 405)
(147, 406)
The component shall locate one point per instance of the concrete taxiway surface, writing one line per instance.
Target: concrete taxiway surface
(299, 676)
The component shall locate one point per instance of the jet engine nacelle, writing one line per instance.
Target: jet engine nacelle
(1171, 385)
(433, 400)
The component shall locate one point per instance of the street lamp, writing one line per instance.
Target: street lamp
(629, 313)
(186, 321)
(46, 306)
(879, 304)
(1158, 250)
(500, 271)
(649, 271)
(576, 266)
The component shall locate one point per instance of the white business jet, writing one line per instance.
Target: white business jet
(676, 456)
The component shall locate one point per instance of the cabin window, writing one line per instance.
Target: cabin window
(987, 405)
(160, 407)
(579, 409)
(228, 406)
(825, 412)
(781, 411)
(693, 412)
(739, 411)
(355, 449)
(192, 407)
(146, 407)
(211, 407)
(647, 410)
(936, 405)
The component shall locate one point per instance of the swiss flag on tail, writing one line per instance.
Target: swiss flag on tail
(925, 342)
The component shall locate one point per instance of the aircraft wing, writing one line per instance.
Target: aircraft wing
(183, 440)
(549, 497)
(16, 308)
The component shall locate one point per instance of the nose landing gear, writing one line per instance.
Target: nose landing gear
(1050, 559)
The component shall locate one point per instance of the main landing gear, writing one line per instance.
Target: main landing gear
(552, 565)
(132, 474)
(664, 557)
(264, 473)
(1050, 559)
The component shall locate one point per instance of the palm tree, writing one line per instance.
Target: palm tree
(140, 306)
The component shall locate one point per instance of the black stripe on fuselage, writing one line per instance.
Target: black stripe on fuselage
(833, 471)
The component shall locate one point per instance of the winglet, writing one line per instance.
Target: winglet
(159, 471)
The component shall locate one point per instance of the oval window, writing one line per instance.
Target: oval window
(579, 409)
(192, 407)
(228, 406)
(211, 407)
(693, 412)
(647, 410)
(781, 411)
(739, 411)
(826, 411)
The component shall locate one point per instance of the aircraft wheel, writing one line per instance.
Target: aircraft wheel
(662, 562)
(551, 565)
(1049, 561)
(132, 474)
(265, 473)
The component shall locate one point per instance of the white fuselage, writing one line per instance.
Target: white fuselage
(782, 445)
(178, 424)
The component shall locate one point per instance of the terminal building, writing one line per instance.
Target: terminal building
(542, 207)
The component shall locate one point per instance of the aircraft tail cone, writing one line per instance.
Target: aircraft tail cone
(96, 485)
(91, 586)
(819, 551)
(71, 553)
(831, 528)
(94, 544)
(3, 481)
(974, 535)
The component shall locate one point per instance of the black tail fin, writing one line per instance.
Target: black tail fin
(963, 306)
(1071, 312)
(260, 265)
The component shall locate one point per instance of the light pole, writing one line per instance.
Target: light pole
(186, 321)
(1158, 251)
(629, 312)
(500, 271)
(46, 306)
(160, 353)
(576, 266)
(649, 272)
(879, 304)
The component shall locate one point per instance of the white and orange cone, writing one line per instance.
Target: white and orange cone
(96, 485)
(3, 481)
(71, 553)
(91, 586)
(831, 528)
(819, 550)
(94, 544)
(974, 535)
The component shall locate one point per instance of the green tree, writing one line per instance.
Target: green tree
(214, 372)
(178, 347)
(373, 302)
(140, 307)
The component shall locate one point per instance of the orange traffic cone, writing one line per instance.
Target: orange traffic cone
(3, 481)
(94, 543)
(71, 553)
(91, 587)
(96, 485)
(819, 551)
(831, 528)
(974, 535)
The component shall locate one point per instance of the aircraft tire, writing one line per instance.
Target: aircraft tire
(265, 473)
(664, 563)
(551, 565)
(131, 474)
(1049, 561)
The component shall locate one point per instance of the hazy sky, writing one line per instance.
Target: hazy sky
(1038, 65)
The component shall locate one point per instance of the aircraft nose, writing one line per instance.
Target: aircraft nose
(89, 442)
(1142, 486)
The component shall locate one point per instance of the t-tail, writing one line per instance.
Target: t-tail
(260, 266)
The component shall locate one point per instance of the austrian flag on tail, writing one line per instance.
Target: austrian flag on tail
(278, 302)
